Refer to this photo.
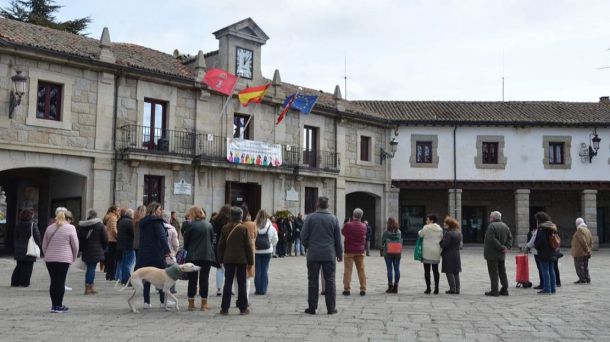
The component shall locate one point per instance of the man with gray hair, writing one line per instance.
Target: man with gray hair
(498, 241)
(355, 241)
(322, 238)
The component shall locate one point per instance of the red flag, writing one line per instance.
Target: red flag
(288, 102)
(220, 80)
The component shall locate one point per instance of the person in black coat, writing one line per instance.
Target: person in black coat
(125, 244)
(452, 263)
(93, 241)
(282, 236)
(218, 221)
(154, 248)
(546, 254)
(24, 229)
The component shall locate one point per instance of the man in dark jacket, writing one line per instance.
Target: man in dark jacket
(355, 240)
(124, 244)
(235, 254)
(322, 238)
(154, 249)
(25, 263)
(498, 241)
(298, 227)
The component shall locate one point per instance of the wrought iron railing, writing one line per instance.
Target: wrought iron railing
(158, 140)
(209, 147)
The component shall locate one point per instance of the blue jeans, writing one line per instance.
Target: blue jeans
(548, 276)
(393, 262)
(261, 272)
(298, 247)
(90, 272)
(127, 264)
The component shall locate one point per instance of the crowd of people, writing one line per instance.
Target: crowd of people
(240, 248)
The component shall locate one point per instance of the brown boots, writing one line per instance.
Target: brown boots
(204, 304)
(90, 289)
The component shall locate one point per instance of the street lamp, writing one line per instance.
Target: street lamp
(594, 145)
(17, 92)
(393, 147)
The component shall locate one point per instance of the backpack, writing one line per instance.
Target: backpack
(262, 241)
(555, 241)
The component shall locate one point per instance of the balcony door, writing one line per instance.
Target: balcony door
(310, 146)
(154, 123)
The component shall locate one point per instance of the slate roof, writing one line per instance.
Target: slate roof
(510, 113)
(130, 55)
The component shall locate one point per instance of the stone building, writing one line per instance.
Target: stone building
(103, 122)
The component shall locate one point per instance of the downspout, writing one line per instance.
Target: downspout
(114, 124)
(455, 208)
(337, 161)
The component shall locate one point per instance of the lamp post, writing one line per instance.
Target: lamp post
(594, 145)
(17, 92)
(393, 148)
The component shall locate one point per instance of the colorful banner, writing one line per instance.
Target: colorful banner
(251, 152)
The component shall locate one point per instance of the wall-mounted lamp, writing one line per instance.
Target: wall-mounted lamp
(17, 92)
(594, 144)
(393, 147)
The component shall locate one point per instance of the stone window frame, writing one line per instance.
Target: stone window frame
(365, 133)
(478, 159)
(36, 75)
(424, 137)
(567, 148)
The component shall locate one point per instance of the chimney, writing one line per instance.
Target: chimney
(604, 99)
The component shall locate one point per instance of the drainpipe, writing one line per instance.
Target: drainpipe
(455, 208)
(114, 124)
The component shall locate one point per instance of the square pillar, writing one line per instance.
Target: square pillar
(455, 204)
(522, 216)
(588, 204)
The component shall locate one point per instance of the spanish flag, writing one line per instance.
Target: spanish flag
(253, 94)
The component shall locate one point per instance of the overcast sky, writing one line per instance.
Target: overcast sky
(395, 50)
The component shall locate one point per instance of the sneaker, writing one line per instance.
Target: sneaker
(59, 309)
(67, 288)
(218, 293)
(147, 306)
(543, 292)
(539, 287)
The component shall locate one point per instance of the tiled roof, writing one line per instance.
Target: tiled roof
(130, 55)
(471, 112)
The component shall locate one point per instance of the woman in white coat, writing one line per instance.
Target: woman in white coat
(432, 234)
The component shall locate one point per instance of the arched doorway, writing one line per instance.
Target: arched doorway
(370, 204)
(40, 190)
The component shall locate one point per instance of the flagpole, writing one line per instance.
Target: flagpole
(247, 122)
(224, 107)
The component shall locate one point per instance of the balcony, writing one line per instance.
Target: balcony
(142, 139)
(211, 149)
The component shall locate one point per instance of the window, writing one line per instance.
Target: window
(155, 124)
(311, 200)
(490, 153)
(365, 145)
(423, 152)
(556, 153)
(241, 126)
(153, 189)
(310, 146)
(48, 101)
(412, 218)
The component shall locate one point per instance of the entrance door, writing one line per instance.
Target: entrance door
(602, 225)
(367, 203)
(238, 194)
(474, 224)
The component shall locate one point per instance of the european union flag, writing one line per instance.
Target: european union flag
(302, 103)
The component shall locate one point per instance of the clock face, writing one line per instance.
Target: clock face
(244, 62)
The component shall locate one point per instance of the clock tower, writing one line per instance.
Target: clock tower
(239, 50)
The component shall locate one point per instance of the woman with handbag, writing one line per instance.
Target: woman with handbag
(93, 240)
(452, 264)
(432, 234)
(26, 233)
(198, 238)
(391, 237)
(265, 240)
(60, 247)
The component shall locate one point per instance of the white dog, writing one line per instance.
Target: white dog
(161, 279)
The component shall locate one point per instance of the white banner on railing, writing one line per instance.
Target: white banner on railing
(251, 152)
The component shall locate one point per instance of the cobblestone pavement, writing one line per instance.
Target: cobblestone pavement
(576, 313)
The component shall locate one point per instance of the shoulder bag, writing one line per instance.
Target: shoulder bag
(33, 249)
